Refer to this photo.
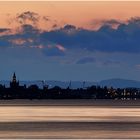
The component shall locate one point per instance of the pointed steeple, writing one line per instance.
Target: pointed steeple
(14, 83)
(14, 78)
(14, 75)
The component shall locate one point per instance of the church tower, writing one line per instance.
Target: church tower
(14, 83)
(14, 78)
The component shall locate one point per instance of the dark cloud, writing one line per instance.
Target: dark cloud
(29, 29)
(46, 18)
(69, 27)
(112, 21)
(124, 39)
(27, 36)
(86, 60)
(4, 30)
(54, 26)
(135, 20)
(28, 16)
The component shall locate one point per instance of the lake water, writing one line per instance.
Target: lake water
(69, 122)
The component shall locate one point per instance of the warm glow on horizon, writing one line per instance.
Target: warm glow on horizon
(81, 14)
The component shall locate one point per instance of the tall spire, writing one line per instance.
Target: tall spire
(14, 77)
(14, 83)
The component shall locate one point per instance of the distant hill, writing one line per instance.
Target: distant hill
(116, 83)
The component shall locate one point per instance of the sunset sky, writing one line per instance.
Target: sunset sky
(81, 14)
(88, 41)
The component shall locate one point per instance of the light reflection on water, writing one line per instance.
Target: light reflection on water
(69, 122)
(67, 113)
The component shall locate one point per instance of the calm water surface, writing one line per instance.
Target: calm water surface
(68, 113)
(69, 122)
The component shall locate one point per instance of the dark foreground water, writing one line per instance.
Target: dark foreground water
(69, 122)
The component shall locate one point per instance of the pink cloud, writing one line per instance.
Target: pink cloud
(60, 47)
(40, 47)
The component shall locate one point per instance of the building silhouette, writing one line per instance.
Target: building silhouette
(14, 83)
(17, 91)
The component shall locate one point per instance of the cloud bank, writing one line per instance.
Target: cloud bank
(112, 50)
(58, 42)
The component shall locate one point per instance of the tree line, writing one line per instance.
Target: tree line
(92, 92)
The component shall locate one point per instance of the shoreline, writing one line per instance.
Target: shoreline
(71, 102)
